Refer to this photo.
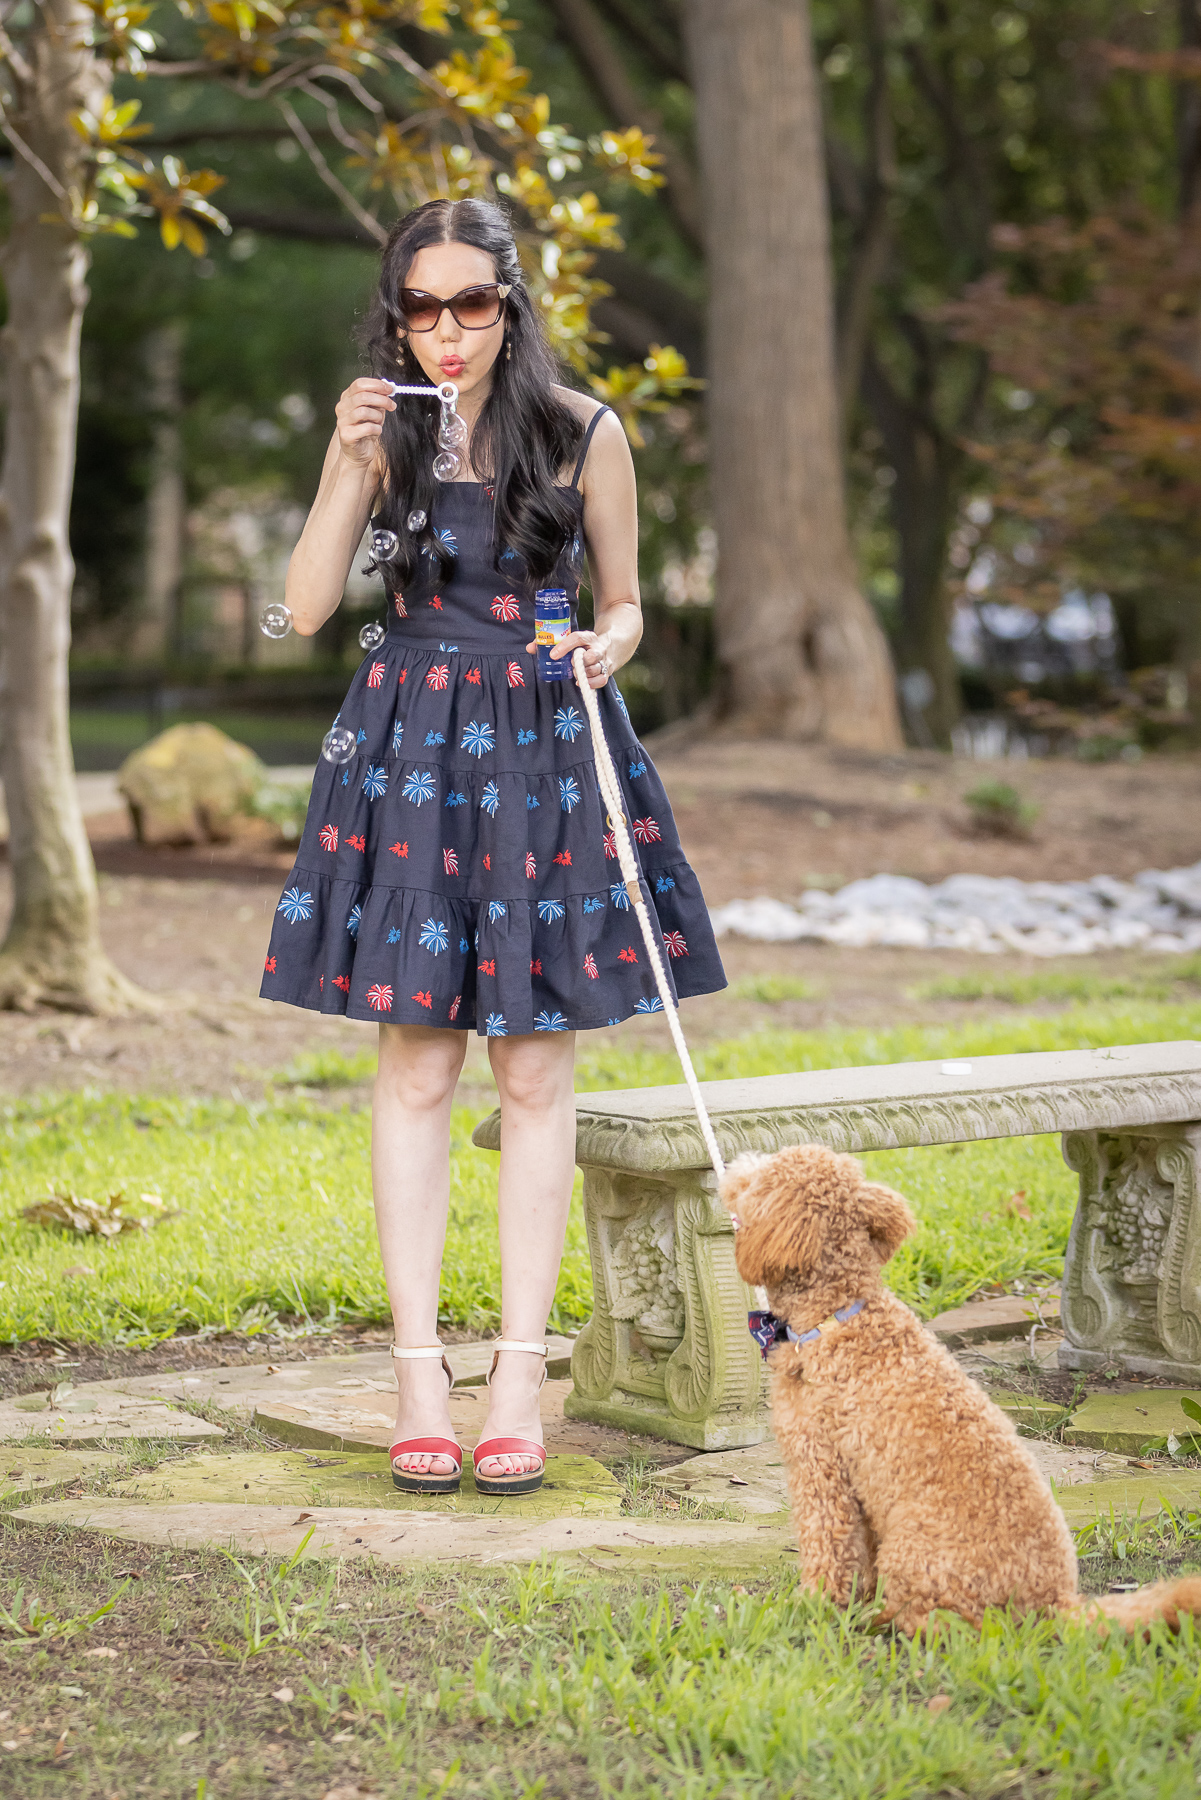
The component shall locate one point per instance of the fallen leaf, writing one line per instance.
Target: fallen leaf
(72, 1693)
(174, 1578)
(78, 1270)
(1016, 1207)
(737, 1481)
(938, 1703)
(301, 1517)
(105, 1651)
(272, 1369)
(60, 1747)
(284, 1695)
(11, 1744)
(186, 1737)
(128, 1575)
(1138, 1462)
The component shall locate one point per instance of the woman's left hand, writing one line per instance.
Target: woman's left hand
(599, 661)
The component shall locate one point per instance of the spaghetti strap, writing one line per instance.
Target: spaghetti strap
(593, 422)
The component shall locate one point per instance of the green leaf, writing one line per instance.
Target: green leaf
(1191, 1410)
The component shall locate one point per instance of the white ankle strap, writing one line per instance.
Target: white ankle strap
(403, 1353)
(517, 1344)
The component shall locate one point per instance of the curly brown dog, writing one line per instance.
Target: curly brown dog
(900, 1469)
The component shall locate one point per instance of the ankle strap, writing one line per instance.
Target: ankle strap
(404, 1353)
(517, 1344)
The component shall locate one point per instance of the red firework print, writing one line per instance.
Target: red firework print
(375, 675)
(399, 849)
(343, 982)
(438, 676)
(401, 678)
(329, 837)
(357, 843)
(675, 943)
(473, 675)
(488, 968)
(269, 965)
(629, 954)
(590, 968)
(426, 999)
(564, 859)
(379, 996)
(610, 843)
(321, 984)
(436, 604)
(536, 966)
(454, 1007)
(402, 611)
(450, 861)
(531, 867)
(516, 678)
(646, 831)
(488, 862)
(505, 608)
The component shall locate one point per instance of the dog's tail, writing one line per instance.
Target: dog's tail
(1166, 1601)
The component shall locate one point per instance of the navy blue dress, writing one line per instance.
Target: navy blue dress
(459, 870)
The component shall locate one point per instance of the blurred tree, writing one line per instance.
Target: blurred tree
(337, 74)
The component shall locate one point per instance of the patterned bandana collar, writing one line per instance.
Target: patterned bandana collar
(768, 1331)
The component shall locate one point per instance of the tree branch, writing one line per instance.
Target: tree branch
(661, 48)
(874, 236)
(300, 132)
(601, 63)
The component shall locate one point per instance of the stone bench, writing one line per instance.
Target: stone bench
(666, 1350)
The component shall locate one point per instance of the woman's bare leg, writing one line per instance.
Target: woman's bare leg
(410, 1172)
(535, 1075)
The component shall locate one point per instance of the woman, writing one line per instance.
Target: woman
(457, 872)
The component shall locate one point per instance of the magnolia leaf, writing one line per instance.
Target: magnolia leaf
(1191, 1410)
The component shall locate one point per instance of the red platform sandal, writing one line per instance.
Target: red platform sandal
(408, 1481)
(527, 1482)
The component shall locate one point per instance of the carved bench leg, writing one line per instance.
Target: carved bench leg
(1132, 1277)
(666, 1351)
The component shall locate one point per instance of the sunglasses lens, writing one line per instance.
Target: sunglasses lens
(476, 308)
(419, 311)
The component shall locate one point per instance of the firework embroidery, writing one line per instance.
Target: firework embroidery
(426, 999)
(394, 934)
(490, 799)
(495, 1025)
(295, 906)
(488, 968)
(343, 982)
(399, 849)
(473, 675)
(620, 699)
(496, 910)
(362, 737)
(329, 837)
(453, 800)
(646, 831)
(531, 803)
(269, 966)
(593, 903)
(550, 1021)
(375, 781)
(354, 921)
(550, 910)
(375, 675)
(487, 860)
(478, 738)
(463, 946)
(610, 843)
(536, 966)
(450, 861)
(569, 793)
(648, 1006)
(619, 896)
(664, 883)
(398, 732)
(448, 541)
(419, 787)
(637, 769)
(568, 723)
(505, 608)
(438, 676)
(402, 611)
(433, 738)
(629, 954)
(531, 865)
(590, 968)
(564, 859)
(516, 678)
(675, 943)
(436, 603)
(433, 937)
(379, 996)
(527, 737)
(356, 843)
(454, 1007)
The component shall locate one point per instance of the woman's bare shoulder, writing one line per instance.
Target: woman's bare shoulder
(584, 406)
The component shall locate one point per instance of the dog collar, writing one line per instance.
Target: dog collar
(768, 1331)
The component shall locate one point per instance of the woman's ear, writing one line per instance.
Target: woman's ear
(887, 1217)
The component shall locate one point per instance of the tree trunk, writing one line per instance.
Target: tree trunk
(800, 651)
(52, 953)
(166, 508)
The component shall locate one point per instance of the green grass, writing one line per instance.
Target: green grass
(771, 990)
(275, 1201)
(1160, 983)
(554, 1682)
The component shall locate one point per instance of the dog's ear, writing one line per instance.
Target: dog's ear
(778, 1204)
(887, 1217)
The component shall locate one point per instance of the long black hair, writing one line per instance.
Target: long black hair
(524, 435)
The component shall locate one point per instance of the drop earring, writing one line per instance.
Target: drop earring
(508, 346)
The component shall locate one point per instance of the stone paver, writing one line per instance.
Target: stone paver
(1135, 1496)
(409, 1537)
(96, 1414)
(1127, 1421)
(25, 1470)
(752, 1479)
(574, 1485)
(1002, 1316)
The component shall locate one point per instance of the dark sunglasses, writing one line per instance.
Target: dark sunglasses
(474, 308)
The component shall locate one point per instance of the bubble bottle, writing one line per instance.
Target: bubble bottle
(552, 621)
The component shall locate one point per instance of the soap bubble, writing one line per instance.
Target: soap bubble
(275, 621)
(416, 520)
(452, 432)
(447, 464)
(338, 744)
(371, 635)
(384, 545)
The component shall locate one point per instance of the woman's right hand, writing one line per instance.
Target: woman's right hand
(361, 412)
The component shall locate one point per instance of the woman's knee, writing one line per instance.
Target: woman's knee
(420, 1066)
(535, 1072)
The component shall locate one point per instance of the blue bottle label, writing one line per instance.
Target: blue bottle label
(552, 621)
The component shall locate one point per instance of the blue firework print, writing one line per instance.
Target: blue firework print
(433, 936)
(459, 872)
(419, 787)
(648, 1006)
(478, 738)
(295, 906)
(569, 793)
